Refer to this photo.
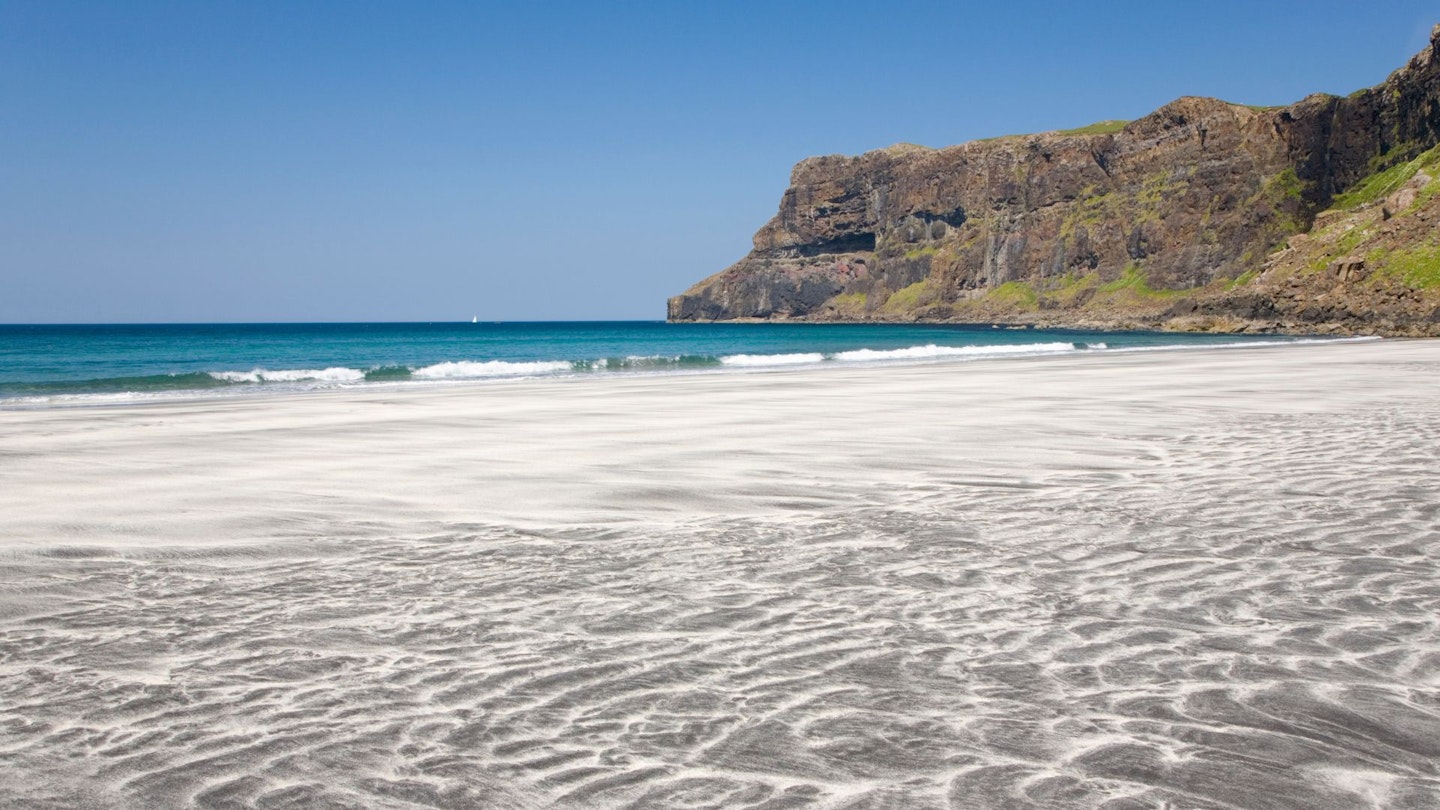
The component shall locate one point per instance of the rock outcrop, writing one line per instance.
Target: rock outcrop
(1370, 264)
(1172, 217)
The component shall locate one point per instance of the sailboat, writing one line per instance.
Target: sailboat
(474, 318)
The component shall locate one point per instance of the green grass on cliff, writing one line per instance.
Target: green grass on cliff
(1242, 279)
(1091, 208)
(911, 298)
(1286, 184)
(1347, 242)
(1418, 267)
(1283, 195)
(1066, 289)
(1015, 294)
(1097, 128)
(1383, 183)
(1132, 279)
(1427, 193)
(1135, 282)
(1158, 187)
(851, 303)
(1282, 191)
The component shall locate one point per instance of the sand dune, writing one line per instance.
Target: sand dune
(1193, 579)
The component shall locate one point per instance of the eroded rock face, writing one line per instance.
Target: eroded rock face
(1197, 191)
(1366, 270)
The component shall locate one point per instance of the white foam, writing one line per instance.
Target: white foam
(933, 351)
(108, 398)
(644, 361)
(489, 368)
(332, 374)
(1250, 344)
(772, 359)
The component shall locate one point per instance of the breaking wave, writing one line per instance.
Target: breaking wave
(798, 359)
(933, 352)
(258, 375)
(467, 370)
(226, 381)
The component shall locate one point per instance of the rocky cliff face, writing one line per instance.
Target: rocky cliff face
(1370, 264)
(1134, 224)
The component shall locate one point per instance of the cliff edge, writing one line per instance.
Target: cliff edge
(1201, 215)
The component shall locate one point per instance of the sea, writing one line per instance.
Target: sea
(46, 365)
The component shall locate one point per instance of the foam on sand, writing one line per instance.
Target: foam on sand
(1095, 579)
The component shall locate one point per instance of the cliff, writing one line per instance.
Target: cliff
(1185, 218)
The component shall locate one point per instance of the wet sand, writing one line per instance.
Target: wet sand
(1194, 579)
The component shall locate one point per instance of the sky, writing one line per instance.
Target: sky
(400, 161)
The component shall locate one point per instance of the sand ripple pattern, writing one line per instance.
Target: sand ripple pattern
(1243, 619)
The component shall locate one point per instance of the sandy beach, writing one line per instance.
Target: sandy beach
(1184, 579)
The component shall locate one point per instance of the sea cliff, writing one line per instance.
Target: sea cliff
(1318, 216)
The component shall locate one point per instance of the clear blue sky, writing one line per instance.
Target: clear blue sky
(206, 161)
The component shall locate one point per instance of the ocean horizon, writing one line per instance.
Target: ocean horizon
(55, 364)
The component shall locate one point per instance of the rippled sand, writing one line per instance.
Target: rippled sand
(1201, 579)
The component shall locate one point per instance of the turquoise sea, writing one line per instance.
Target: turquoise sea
(78, 364)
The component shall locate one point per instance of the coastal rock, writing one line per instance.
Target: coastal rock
(1114, 222)
(1347, 270)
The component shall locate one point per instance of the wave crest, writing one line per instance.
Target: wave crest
(772, 359)
(465, 369)
(933, 351)
(260, 375)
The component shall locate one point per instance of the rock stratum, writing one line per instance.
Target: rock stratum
(1319, 216)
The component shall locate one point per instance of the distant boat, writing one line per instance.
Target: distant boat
(474, 318)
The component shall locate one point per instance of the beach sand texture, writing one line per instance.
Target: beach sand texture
(1186, 579)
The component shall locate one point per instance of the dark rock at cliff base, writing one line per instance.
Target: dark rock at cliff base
(1107, 225)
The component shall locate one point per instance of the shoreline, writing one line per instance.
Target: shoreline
(777, 395)
(230, 384)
